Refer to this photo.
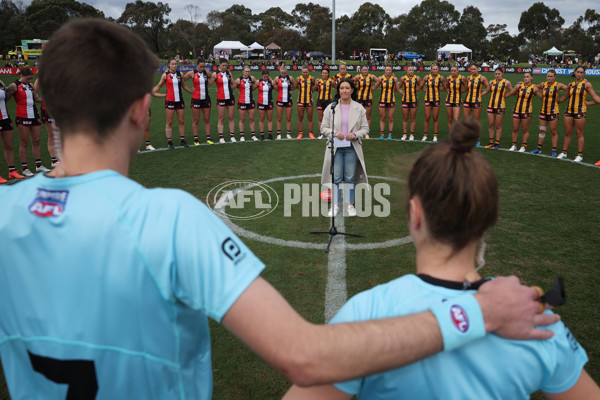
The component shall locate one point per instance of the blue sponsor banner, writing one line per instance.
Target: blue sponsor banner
(565, 71)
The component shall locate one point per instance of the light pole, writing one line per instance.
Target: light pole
(333, 32)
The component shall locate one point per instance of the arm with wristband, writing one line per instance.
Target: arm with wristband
(310, 354)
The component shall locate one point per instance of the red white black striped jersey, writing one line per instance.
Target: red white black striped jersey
(284, 83)
(25, 101)
(224, 81)
(174, 92)
(200, 81)
(245, 88)
(265, 92)
(3, 111)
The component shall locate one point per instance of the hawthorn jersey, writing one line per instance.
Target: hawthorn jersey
(577, 95)
(410, 89)
(364, 86)
(388, 89)
(3, 111)
(25, 101)
(173, 81)
(524, 99)
(265, 92)
(549, 98)
(245, 88)
(200, 85)
(324, 87)
(474, 89)
(497, 92)
(284, 84)
(224, 82)
(339, 77)
(432, 88)
(304, 86)
(454, 89)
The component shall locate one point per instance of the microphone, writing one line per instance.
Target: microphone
(334, 104)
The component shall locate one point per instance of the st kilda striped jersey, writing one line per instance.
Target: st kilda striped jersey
(3, 111)
(524, 99)
(454, 89)
(265, 92)
(577, 94)
(174, 92)
(200, 85)
(284, 84)
(224, 82)
(497, 91)
(25, 101)
(474, 89)
(549, 98)
(245, 88)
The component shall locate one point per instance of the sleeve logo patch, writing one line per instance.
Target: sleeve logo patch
(49, 203)
(232, 250)
(459, 318)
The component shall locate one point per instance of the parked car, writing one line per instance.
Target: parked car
(410, 55)
(244, 55)
(315, 55)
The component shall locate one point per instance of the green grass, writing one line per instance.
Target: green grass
(548, 226)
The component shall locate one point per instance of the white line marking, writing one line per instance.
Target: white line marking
(335, 292)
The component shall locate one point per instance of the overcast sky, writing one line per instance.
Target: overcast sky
(494, 11)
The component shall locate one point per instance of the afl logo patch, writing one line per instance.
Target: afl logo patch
(49, 203)
(459, 318)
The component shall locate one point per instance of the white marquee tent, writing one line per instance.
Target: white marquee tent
(228, 46)
(453, 48)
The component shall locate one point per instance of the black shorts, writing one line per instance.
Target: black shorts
(549, 117)
(284, 103)
(46, 117)
(226, 103)
(391, 104)
(322, 104)
(265, 107)
(246, 106)
(174, 105)
(6, 125)
(197, 103)
(306, 105)
(432, 103)
(521, 115)
(575, 115)
(365, 103)
(28, 121)
(497, 111)
(474, 105)
(410, 104)
(453, 105)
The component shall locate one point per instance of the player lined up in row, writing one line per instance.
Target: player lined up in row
(475, 86)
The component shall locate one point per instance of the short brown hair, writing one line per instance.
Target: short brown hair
(25, 72)
(91, 71)
(456, 186)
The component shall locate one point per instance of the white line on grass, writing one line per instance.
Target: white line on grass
(335, 292)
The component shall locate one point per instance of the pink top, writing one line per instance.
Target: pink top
(345, 117)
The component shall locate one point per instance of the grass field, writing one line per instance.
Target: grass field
(548, 225)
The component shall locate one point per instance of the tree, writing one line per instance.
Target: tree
(9, 29)
(271, 23)
(314, 22)
(592, 19)
(368, 26)
(577, 38)
(430, 25)
(539, 24)
(472, 32)
(398, 32)
(148, 19)
(42, 17)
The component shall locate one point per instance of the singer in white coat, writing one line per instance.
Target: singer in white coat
(344, 133)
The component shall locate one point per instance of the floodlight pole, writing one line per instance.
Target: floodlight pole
(333, 33)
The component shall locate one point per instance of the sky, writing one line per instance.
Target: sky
(494, 11)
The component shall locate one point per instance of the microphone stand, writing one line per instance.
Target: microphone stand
(332, 232)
